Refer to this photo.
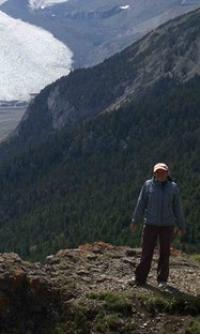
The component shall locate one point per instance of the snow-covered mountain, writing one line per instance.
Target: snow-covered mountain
(96, 29)
(92, 29)
(30, 58)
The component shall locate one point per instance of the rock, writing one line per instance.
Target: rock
(49, 258)
(19, 279)
(53, 259)
(4, 302)
(97, 247)
(35, 295)
(82, 272)
(128, 261)
(91, 257)
(86, 279)
(101, 278)
(131, 252)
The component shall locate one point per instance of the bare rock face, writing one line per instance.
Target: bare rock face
(60, 110)
(89, 290)
(29, 302)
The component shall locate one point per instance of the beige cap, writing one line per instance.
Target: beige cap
(160, 165)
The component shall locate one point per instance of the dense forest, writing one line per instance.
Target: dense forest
(82, 183)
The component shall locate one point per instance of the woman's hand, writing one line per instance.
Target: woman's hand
(179, 232)
(182, 232)
(133, 228)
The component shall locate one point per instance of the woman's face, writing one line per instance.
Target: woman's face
(161, 175)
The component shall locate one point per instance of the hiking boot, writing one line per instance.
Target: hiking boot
(162, 285)
(134, 282)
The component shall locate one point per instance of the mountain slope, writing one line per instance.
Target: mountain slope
(73, 170)
(96, 29)
(171, 52)
(82, 184)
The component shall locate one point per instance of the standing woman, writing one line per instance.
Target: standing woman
(159, 204)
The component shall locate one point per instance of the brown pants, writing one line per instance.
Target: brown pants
(149, 239)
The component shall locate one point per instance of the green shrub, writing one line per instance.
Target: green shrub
(193, 327)
(114, 302)
(176, 304)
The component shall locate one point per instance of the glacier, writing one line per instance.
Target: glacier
(30, 59)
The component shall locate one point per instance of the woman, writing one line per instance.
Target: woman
(160, 206)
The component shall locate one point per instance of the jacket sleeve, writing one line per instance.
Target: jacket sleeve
(139, 211)
(178, 210)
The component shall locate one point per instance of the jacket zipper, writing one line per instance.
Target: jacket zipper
(162, 204)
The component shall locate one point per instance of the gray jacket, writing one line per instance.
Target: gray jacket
(159, 204)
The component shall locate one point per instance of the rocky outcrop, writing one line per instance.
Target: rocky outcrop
(60, 110)
(29, 302)
(89, 290)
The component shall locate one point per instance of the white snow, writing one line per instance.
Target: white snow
(41, 4)
(2, 1)
(30, 59)
(189, 2)
(125, 7)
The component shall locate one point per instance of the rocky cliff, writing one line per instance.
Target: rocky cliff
(89, 290)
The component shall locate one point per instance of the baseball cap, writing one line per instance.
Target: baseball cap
(160, 165)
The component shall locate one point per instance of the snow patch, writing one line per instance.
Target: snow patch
(190, 2)
(30, 59)
(41, 4)
(2, 1)
(125, 7)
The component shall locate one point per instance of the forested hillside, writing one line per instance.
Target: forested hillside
(82, 183)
